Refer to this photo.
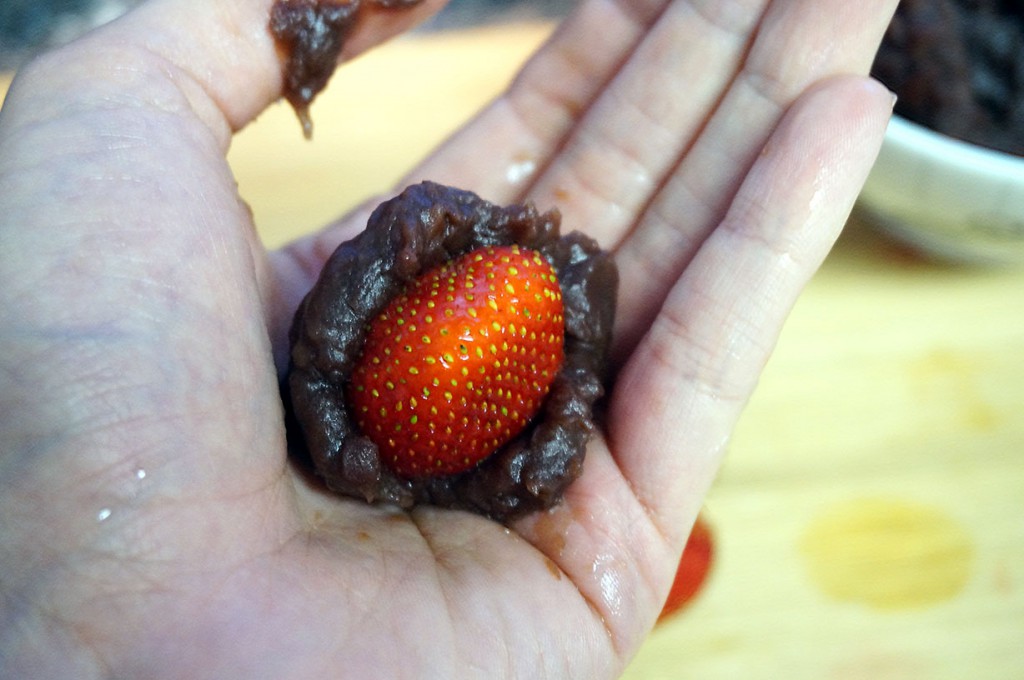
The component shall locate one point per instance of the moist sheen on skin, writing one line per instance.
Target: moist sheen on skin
(311, 35)
(426, 225)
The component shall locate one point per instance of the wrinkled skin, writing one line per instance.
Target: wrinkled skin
(152, 523)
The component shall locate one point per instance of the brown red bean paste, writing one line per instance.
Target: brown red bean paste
(424, 226)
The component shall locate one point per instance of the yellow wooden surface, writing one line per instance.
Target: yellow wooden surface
(869, 519)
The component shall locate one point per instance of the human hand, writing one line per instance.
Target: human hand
(152, 524)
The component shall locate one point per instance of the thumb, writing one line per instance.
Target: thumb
(231, 58)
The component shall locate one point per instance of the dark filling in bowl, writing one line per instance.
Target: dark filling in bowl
(958, 68)
(426, 225)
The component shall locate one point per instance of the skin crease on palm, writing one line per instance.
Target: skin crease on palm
(152, 526)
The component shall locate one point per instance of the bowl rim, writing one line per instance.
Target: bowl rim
(942, 149)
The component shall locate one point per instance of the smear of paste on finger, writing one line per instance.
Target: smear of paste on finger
(310, 35)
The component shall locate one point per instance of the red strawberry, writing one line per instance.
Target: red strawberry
(692, 570)
(456, 365)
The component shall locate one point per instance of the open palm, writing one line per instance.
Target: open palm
(152, 523)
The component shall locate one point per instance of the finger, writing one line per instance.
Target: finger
(603, 538)
(219, 58)
(228, 51)
(647, 117)
(616, 121)
(501, 151)
(797, 43)
(621, 526)
(700, 360)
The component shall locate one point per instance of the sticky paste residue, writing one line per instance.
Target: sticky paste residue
(887, 554)
(310, 35)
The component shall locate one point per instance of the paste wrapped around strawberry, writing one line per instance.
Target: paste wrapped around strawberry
(452, 354)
